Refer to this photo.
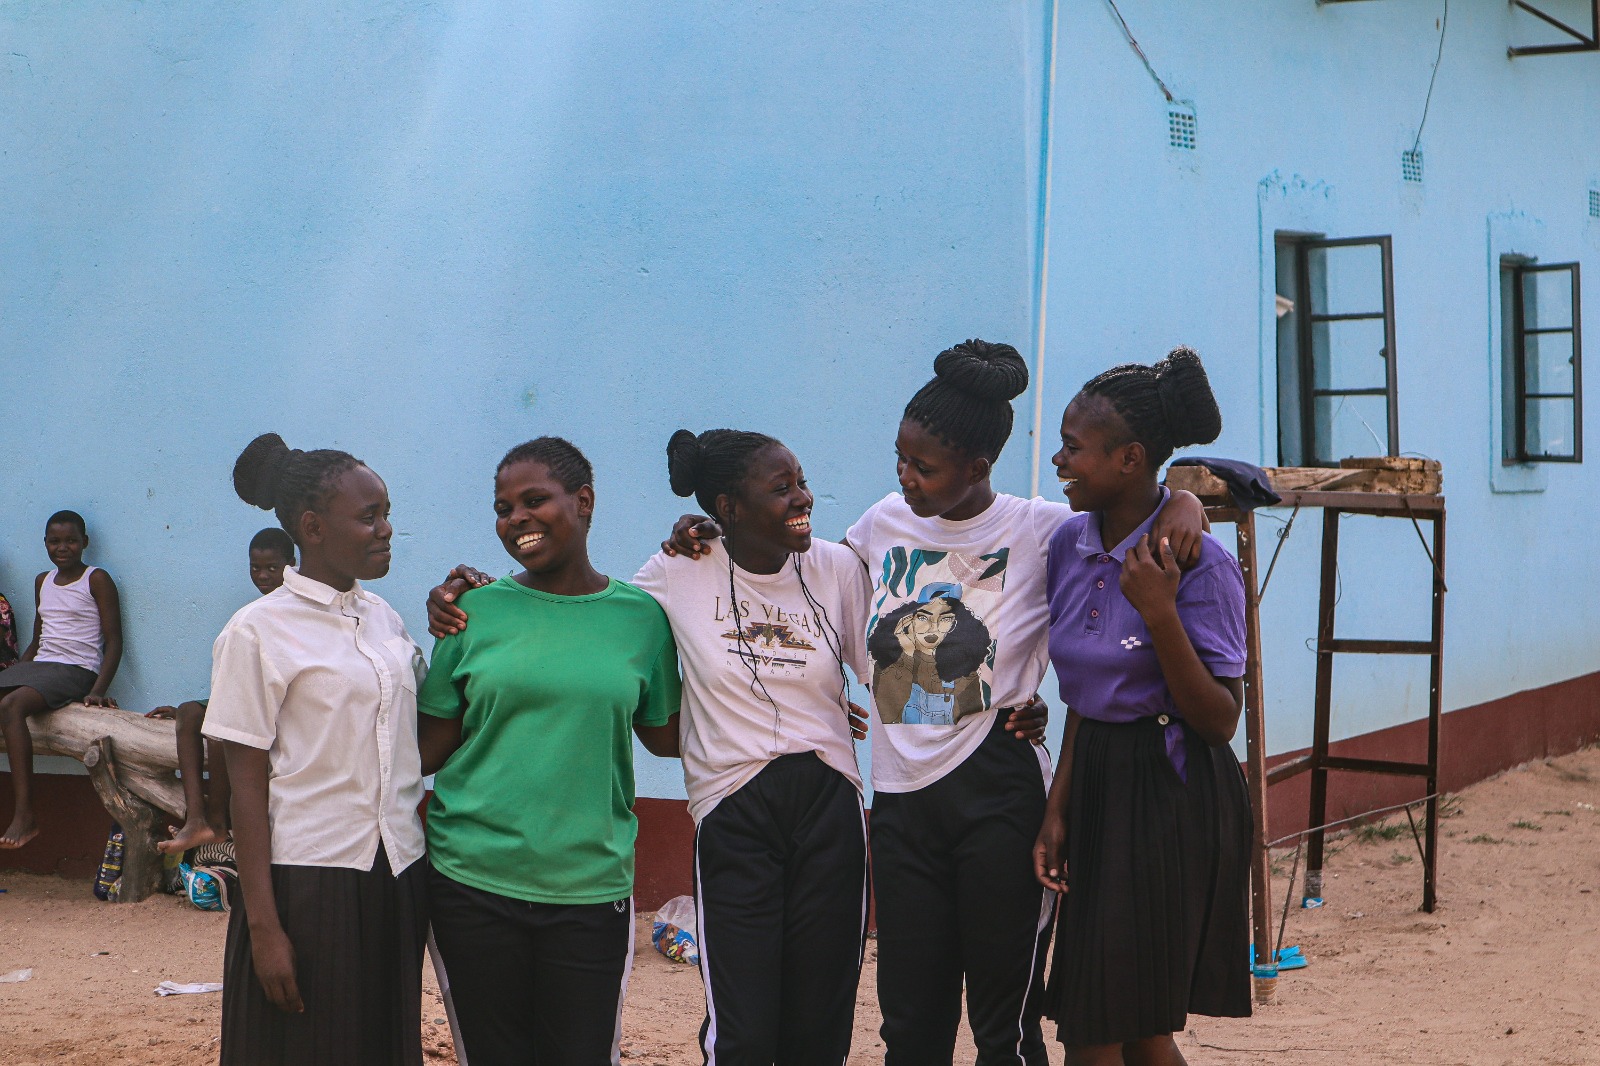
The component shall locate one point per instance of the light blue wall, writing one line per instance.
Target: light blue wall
(1302, 114)
(426, 232)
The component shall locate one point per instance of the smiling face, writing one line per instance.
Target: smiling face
(266, 569)
(934, 477)
(64, 542)
(771, 510)
(1096, 461)
(348, 538)
(542, 525)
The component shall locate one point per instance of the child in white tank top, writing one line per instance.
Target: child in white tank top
(77, 644)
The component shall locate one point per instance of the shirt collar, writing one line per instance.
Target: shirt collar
(1089, 544)
(316, 591)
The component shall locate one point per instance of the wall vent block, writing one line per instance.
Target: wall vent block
(1411, 165)
(1181, 132)
(1594, 203)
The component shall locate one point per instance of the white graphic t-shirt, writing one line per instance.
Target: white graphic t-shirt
(958, 628)
(761, 674)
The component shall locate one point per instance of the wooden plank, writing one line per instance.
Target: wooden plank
(1353, 476)
(147, 748)
(1380, 647)
(1198, 480)
(1392, 462)
(1377, 766)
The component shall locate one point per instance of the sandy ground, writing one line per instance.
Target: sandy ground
(1505, 971)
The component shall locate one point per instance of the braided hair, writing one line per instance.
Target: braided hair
(715, 463)
(968, 403)
(273, 539)
(1166, 406)
(561, 457)
(275, 477)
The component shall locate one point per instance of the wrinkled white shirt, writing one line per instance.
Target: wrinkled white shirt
(762, 682)
(326, 682)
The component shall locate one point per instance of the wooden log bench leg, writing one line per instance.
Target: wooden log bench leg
(141, 862)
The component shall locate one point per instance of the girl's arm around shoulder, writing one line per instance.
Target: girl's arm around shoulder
(652, 576)
(1048, 518)
(106, 598)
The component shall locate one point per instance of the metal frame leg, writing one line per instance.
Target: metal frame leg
(1430, 849)
(1255, 746)
(1327, 600)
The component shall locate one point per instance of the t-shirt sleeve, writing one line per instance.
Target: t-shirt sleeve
(663, 693)
(440, 695)
(859, 536)
(246, 691)
(855, 596)
(1048, 516)
(652, 577)
(1211, 605)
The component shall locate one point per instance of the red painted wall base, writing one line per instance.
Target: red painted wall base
(1477, 742)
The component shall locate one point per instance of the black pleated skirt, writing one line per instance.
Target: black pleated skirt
(358, 938)
(1155, 923)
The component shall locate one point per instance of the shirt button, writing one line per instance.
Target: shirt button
(1099, 584)
(1105, 558)
(1163, 719)
(1094, 614)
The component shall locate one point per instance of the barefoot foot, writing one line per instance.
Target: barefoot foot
(21, 831)
(192, 835)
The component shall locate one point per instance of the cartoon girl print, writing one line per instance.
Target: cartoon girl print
(926, 655)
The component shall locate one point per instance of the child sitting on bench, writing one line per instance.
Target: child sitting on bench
(77, 644)
(206, 821)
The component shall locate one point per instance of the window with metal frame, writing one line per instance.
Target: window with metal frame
(1545, 387)
(1337, 385)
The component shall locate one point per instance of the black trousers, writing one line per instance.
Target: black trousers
(781, 888)
(952, 865)
(358, 938)
(534, 984)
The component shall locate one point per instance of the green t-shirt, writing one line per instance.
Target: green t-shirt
(537, 803)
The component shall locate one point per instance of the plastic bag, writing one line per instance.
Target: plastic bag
(210, 876)
(674, 931)
(108, 881)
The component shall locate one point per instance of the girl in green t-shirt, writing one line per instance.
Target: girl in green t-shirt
(527, 721)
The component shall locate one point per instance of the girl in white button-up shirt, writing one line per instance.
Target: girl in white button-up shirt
(314, 697)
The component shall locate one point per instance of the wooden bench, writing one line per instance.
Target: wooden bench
(132, 762)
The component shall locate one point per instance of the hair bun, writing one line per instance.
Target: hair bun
(259, 468)
(1187, 403)
(987, 371)
(683, 462)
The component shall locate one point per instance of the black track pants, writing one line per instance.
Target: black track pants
(534, 984)
(952, 866)
(781, 887)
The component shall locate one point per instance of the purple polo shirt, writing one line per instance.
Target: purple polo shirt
(1101, 648)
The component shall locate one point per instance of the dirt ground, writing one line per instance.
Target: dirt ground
(1505, 971)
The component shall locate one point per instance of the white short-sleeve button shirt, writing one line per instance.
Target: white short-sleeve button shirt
(326, 682)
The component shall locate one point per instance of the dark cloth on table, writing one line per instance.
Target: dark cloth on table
(1247, 483)
(358, 939)
(1155, 923)
(59, 683)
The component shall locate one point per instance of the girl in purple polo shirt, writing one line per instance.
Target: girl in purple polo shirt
(1148, 820)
